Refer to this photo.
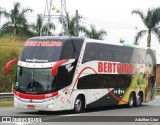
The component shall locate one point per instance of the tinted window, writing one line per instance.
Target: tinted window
(41, 51)
(65, 74)
(62, 77)
(104, 81)
(77, 45)
(67, 52)
(90, 53)
(128, 51)
(104, 52)
(71, 49)
(35, 81)
(117, 53)
(91, 82)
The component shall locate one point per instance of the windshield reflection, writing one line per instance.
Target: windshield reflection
(35, 80)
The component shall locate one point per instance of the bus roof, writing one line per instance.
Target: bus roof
(87, 40)
(55, 37)
(115, 43)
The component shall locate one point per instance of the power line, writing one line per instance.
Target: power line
(95, 20)
(109, 24)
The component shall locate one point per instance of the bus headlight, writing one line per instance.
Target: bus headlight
(50, 105)
(15, 104)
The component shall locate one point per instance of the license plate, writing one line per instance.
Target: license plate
(31, 106)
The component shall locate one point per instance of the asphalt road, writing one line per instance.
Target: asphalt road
(108, 115)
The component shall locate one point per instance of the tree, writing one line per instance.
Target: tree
(70, 24)
(94, 33)
(16, 19)
(122, 41)
(151, 21)
(38, 25)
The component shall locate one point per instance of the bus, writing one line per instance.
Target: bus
(71, 73)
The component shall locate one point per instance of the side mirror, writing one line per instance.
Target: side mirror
(9, 64)
(56, 65)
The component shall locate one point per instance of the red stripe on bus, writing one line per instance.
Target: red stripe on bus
(116, 96)
(95, 73)
(79, 76)
(56, 65)
(33, 96)
(9, 64)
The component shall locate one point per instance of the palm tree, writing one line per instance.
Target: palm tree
(122, 41)
(16, 18)
(38, 25)
(94, 33)
(70, 24)
(151, 21)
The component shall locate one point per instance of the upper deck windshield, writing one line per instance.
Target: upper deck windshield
(41, 50)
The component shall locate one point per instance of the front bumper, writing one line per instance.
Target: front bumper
(48, 104)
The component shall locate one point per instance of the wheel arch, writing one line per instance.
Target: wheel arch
(141, 92)
(82, 94)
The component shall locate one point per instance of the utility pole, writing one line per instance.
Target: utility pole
(77, 26)
(49, 16)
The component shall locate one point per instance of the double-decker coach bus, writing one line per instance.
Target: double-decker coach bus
(65, 73)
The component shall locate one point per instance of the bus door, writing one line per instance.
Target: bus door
(64, 79)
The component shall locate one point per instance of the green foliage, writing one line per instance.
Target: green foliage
(122, 41)
(6, 99)
(95, 34)
(37, 26)
(151, 20)
(17, 22)
(70, 24)
(5, 102)
(8, 50)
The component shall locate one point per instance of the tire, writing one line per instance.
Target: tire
(131, 100)
(78, 105)
(138, 100)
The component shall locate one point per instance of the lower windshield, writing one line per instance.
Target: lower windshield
(38, 81)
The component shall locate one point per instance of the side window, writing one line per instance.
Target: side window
(138, 56)
(117, 53)
(104, 52)
(90, 53)
(119, 82)
(67, 52)
(77, 45)
(62, 77)
(92, 82)
(104, 81)
(128, 51)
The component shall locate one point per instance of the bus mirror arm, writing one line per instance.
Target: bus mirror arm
(9, 64)
(56, 65)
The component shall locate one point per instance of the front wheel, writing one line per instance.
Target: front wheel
(131, 100)
(138, 101)
(78, 105)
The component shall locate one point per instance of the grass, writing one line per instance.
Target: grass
(10, 48)
(6, 102)
(10, 40)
